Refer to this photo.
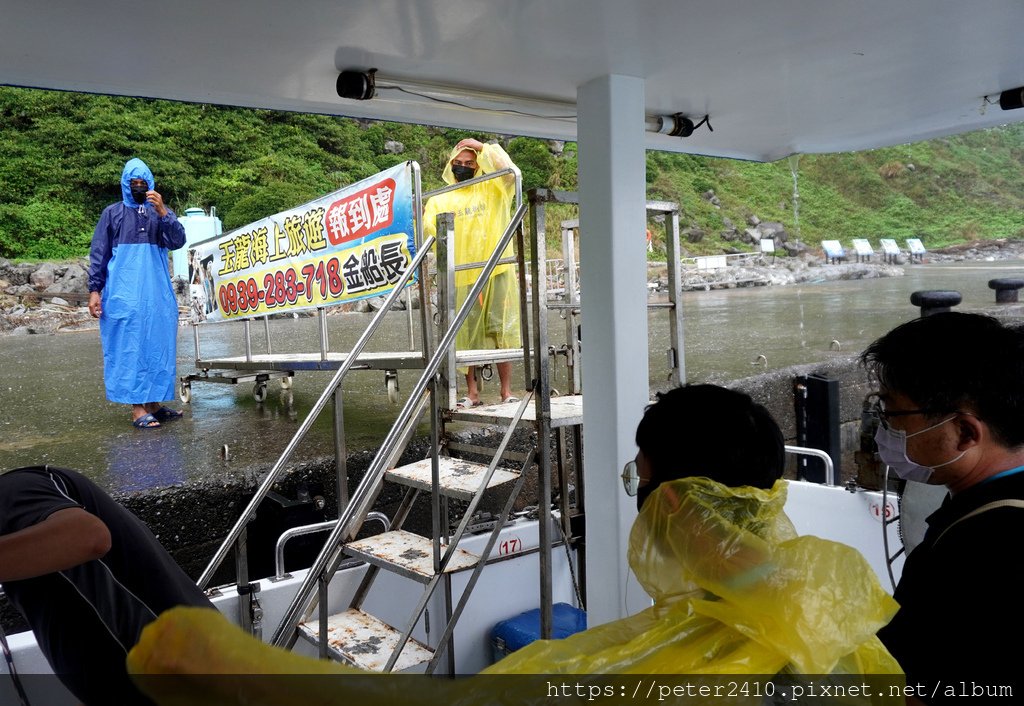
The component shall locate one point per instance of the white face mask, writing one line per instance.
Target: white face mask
(892, 449)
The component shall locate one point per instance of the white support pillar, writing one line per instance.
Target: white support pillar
(613, 271)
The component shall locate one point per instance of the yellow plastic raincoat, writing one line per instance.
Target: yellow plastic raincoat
(481, 216)
(735, 591)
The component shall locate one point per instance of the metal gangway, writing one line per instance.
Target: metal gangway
(556, 422)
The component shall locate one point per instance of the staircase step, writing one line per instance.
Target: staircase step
(364, 641)
(566, 410)
(407, 554)
(459, 478)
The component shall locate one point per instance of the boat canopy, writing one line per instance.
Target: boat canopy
(775, 78)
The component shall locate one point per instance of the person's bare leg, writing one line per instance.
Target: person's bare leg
(505, 376)
(471, 390)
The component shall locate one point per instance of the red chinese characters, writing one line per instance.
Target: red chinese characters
(360, 214)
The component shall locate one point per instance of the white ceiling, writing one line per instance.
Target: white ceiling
(776, 77)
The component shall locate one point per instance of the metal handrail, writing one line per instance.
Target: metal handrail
(328, 393)
(478, 180)
(294, 532)
(363, 494)
(514, 171)
(830, 470)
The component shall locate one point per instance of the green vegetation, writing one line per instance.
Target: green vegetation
(61, 157)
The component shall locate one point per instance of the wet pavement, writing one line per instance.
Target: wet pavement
(53, 409)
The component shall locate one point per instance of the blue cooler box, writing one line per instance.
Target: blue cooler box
(509, 635)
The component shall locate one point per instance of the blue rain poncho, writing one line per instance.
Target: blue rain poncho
(139, 323)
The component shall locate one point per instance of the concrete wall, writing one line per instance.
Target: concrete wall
(774, 389)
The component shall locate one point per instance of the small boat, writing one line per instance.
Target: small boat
(752, 81)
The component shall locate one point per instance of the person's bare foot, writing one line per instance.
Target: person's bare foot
(162, 413)
(142, 419)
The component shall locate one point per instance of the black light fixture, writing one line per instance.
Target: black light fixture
(357, 85)
(1012, 98)
(676, 125)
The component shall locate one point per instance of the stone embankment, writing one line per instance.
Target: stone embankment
(43, 298)
(50, 297)
(750, 273)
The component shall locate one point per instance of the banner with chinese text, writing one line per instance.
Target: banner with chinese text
(351, 244)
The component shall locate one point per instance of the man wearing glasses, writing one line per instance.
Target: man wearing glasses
(951, 412)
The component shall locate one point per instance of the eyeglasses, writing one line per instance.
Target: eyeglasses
(884, 416)
(630, 478)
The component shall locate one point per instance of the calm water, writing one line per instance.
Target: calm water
(53, 409)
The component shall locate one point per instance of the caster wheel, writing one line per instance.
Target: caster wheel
(259, 391)
(286, 382)
(391, 380)
(185, 392)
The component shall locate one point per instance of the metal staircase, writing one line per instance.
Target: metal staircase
(354, 635)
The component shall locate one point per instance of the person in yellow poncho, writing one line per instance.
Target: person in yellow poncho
(481, 216)
(735, 590)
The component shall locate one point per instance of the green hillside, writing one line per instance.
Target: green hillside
(61, 156)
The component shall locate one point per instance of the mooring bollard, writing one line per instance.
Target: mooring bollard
(1006, 289)
(935, 301)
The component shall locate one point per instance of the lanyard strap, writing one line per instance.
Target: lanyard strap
(978, 511)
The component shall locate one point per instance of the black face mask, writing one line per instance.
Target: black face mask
(462, 172)
(139, 194)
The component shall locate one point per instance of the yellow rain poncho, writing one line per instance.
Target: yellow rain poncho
(735, 591)
(482, 212)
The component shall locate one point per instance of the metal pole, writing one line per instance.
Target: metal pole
(248, 340)
(324, 345)
(426, 321)
(543, 402)
(340, 450)
(242, 582)
(675, 293)
(446, 302)
(572, 298)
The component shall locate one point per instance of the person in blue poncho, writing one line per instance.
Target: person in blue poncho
(130, 293)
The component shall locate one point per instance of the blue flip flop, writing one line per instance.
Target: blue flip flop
(166, 413)
(146, 421)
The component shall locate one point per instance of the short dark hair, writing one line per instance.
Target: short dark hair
(956, 361)
(711, 431)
